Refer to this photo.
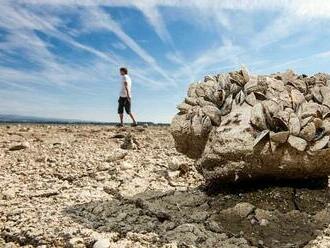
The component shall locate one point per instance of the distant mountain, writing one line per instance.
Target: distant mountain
(8, 118)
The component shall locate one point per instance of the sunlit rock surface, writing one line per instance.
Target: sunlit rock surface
(240, 126)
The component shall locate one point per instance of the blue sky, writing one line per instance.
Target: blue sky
(60, 58)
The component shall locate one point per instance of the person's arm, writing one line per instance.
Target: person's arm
(127, 93)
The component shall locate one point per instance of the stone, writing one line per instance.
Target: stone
(310, 109)
(226, 107)
(213, 226)
(264, 135)
(325, 92)
(280, 137)
(77, 243)
(129, 143)
(326, 126)
(18, 147)
(102, 243)
(263, 222)
(308, 132)
(320, 144)
(318, 123)
(277, 132)
(116, 155)
(257, 117)
(245, 74)
(213, 113)
(184, 107)
(240, 98)
(297, 98)
(297, 143)
(243, 210)
(8, 194)
(317, 94)
(306, 120)
(174, 164)
(126, 165)
(251, 99)
(294, 124)
(251, 86)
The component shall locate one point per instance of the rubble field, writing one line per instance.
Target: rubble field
(102, 186)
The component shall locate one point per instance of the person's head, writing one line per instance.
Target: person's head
(123, 71)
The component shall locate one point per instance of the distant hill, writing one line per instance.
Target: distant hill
(8, 118)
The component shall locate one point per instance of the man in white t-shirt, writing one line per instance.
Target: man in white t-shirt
(125, 97)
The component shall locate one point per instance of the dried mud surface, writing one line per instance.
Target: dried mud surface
(102, 186)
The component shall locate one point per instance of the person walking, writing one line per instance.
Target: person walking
(125, 97)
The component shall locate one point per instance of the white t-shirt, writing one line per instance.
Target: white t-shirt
(124, 79)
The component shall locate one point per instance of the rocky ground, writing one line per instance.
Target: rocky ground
(102, 186)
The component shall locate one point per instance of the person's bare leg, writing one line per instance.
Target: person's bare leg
(121, 116)
(133, 119)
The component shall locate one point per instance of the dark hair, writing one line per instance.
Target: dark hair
(123, 69)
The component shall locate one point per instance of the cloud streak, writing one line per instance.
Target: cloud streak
(226, 33)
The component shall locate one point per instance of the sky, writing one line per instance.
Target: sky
(60, 58)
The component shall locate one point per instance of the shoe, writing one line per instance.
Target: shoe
(134, 125)
(119, 125)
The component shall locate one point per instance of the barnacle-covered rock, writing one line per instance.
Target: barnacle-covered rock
(240, 126)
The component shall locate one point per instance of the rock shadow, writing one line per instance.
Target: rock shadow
(287, 214)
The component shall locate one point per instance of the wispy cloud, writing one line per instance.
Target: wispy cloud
(95, 18)
(227, 33)
(119, 45)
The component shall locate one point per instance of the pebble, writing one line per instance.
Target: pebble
(21, 146)
(116, 155)
(102, 243)
(264, 222)
(8, 194)
(77, 243)
(126, 165)
(174, 164)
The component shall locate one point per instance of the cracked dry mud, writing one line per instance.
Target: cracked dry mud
(74, 186)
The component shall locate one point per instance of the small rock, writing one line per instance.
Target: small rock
(294, 124)
(8, 194)
(174, 164)
(308, 132)
(129, 143)
(257, 117)
(184, 168)
(242, 209)
(213, 226)
(77, 243)
(280, 137)
(116, 155)
(41, 159)
(126, 165)
(51, 160)
(173, 174)
(118, 136)
(297, 143)
(260, 242)
(22, 146)
(320, 144)
(264, 222)
(2, 242)
(253, 221)
(102, 243)
(264, 135)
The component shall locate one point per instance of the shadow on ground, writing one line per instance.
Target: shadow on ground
(270, 214)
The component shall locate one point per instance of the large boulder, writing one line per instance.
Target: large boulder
(240, 126)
